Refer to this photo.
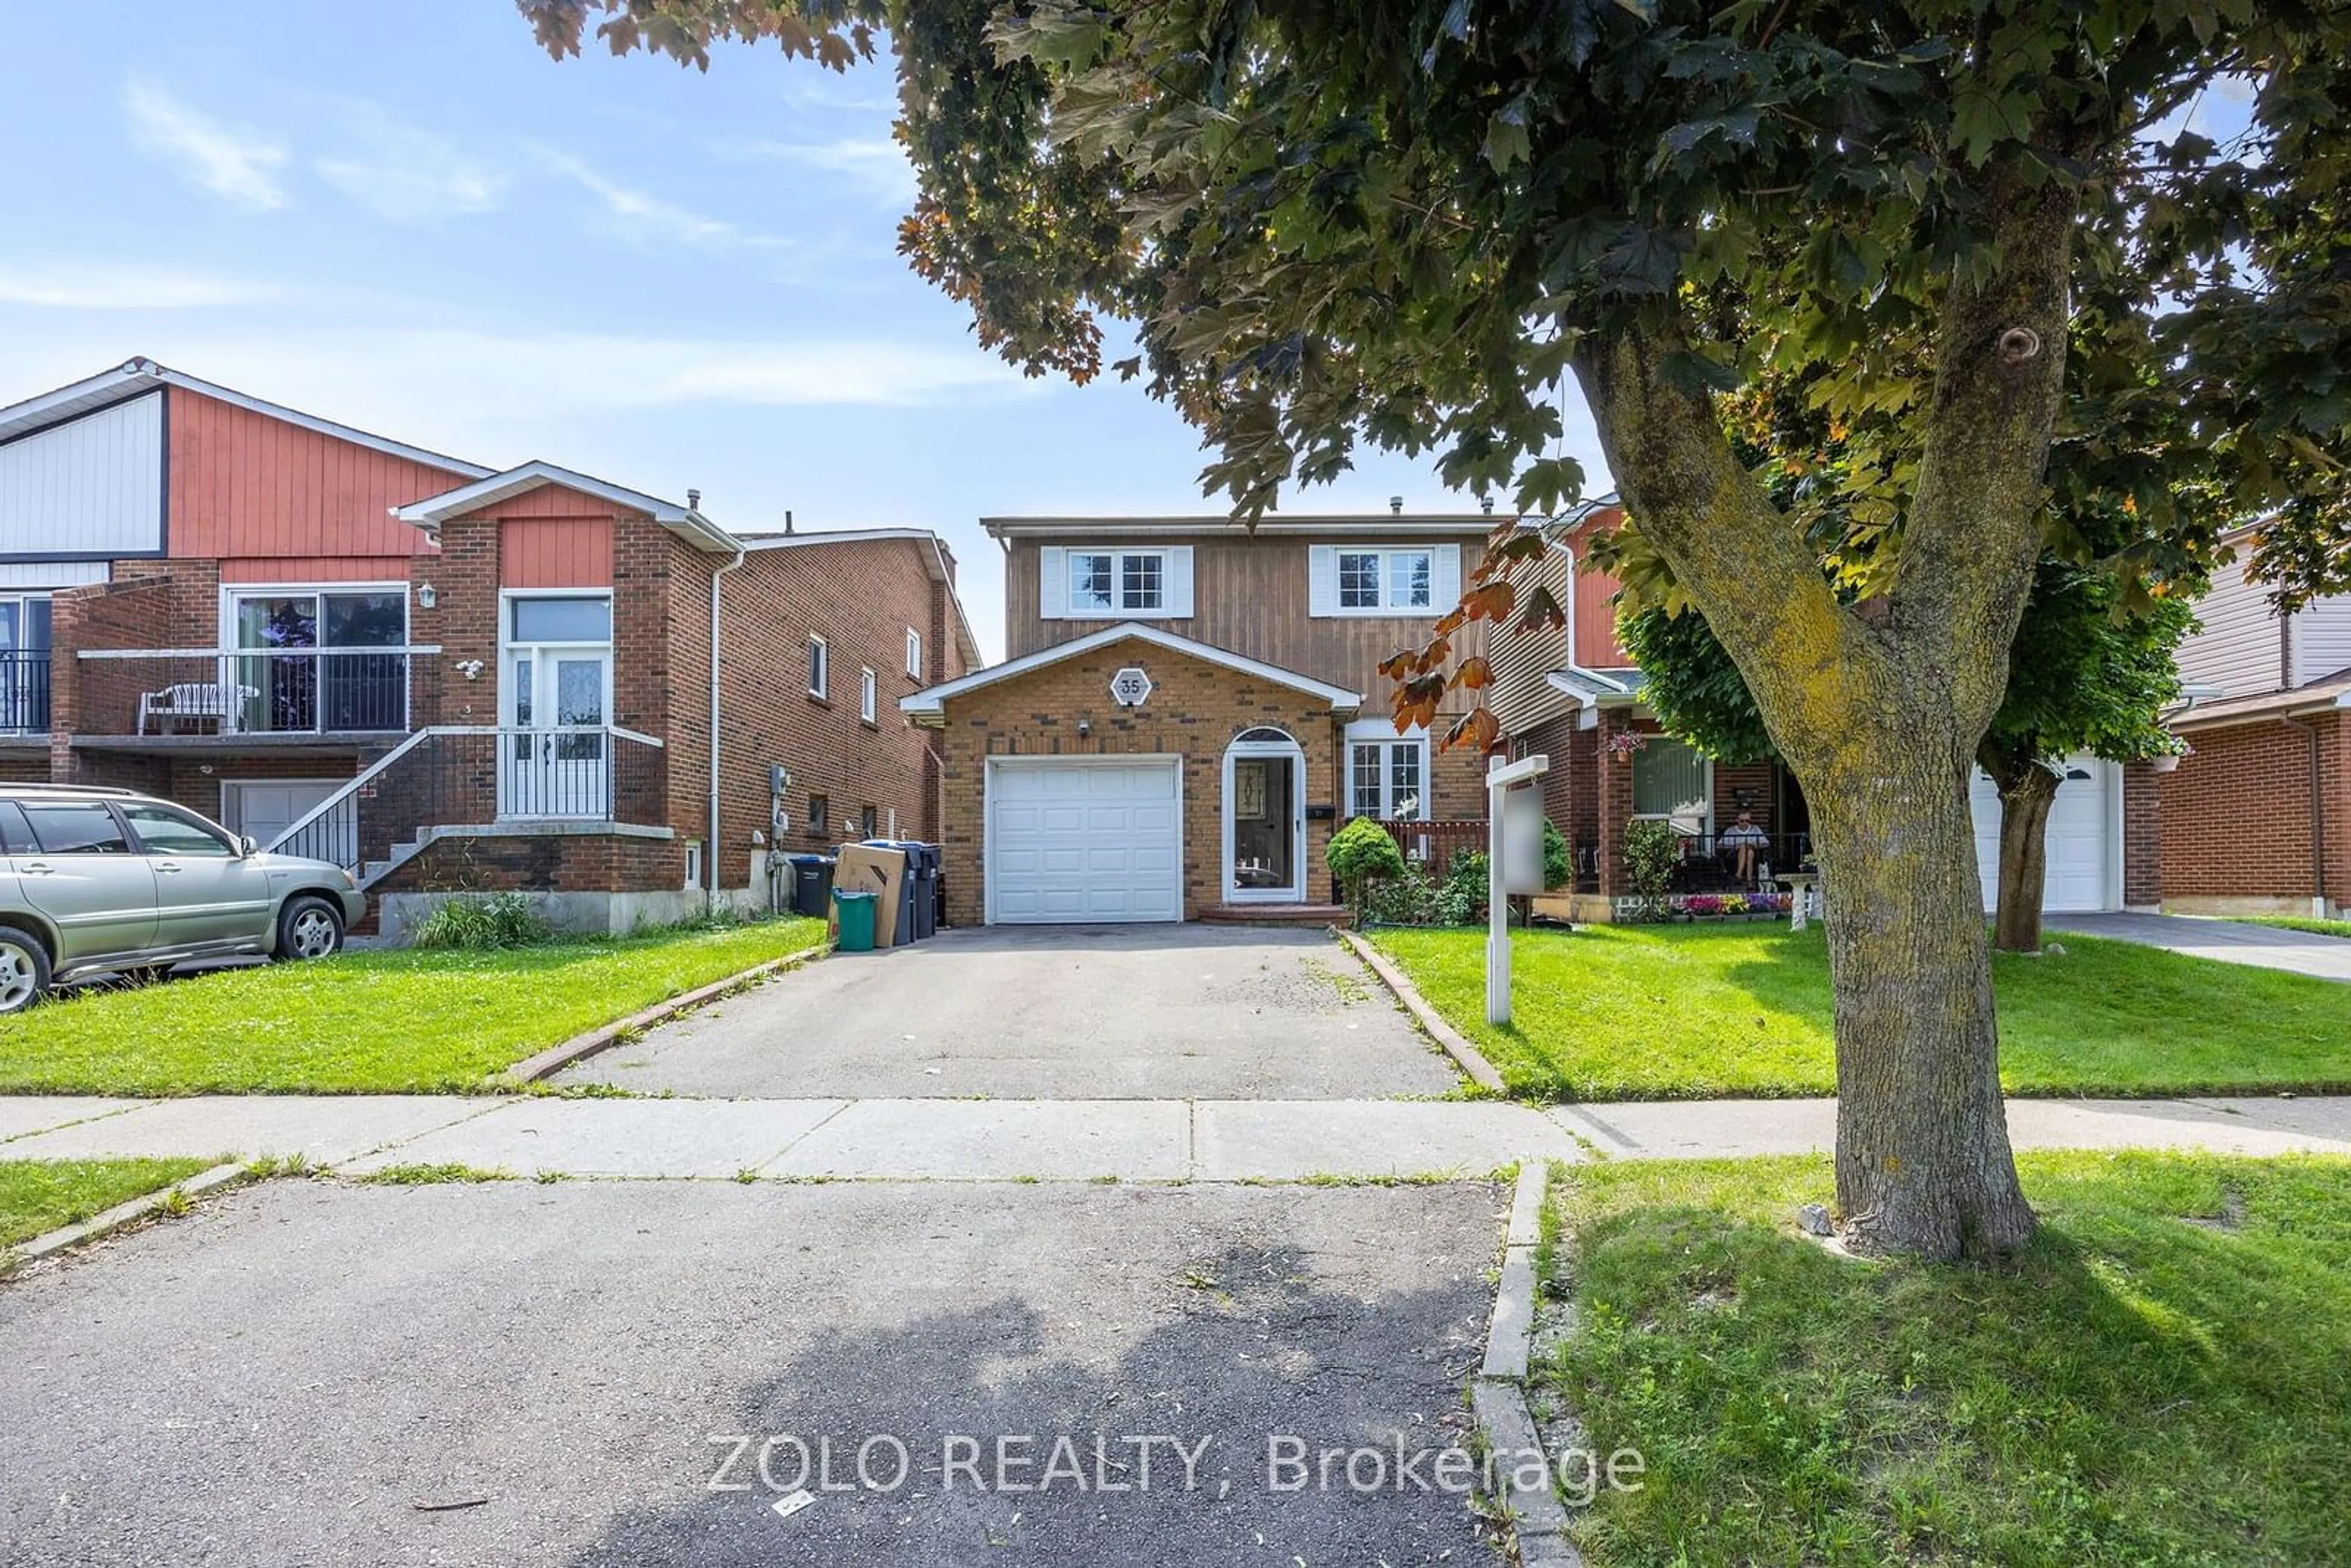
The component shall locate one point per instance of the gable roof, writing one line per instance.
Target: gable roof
(938, 557)
(929, 706)
(489, 490)
(137, 378)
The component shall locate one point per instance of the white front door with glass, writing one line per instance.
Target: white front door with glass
(555, 698)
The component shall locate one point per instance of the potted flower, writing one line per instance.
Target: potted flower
(2168, 761)
(1623, 744)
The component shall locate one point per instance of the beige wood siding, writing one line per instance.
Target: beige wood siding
(2238, 646)
(1522, 697)
(1248, 597)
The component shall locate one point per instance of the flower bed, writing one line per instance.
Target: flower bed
(1725, 905)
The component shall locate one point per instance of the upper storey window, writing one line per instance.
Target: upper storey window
(1104, 584)
(1383, 580)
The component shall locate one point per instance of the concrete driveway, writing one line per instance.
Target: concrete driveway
(313, 1372)
(2230, 941)
(1052, 1012)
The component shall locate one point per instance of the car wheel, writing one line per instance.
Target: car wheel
(309, 927)
(24, 969)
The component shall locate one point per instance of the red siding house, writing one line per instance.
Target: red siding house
(446, 677)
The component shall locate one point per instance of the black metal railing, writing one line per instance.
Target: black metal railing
(246, 691)
(460, 776)
(25, 691)
(1724, 862)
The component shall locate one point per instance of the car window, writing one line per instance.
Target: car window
(15, 834)
(76, 828)
(164, 831)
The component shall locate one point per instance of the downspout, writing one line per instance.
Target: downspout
(710, 856)
(2317, 815)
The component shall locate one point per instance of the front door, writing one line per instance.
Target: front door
(205, 891)
(1263, 821)
(557, 757)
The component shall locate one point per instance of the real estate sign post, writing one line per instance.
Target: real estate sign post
(1513, 865)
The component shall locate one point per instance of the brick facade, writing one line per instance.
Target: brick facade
(2237, 818)
(540, 862)
(1196, 709)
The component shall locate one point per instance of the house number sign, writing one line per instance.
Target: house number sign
(1130, 687)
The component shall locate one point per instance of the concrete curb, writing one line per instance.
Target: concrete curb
(556, 1058)
(122, 1213)
(1473, 1061)
(1498, 1396)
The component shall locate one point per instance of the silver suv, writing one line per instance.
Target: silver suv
(108, 881)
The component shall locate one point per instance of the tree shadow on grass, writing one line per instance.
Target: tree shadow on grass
(1259, 1349)
(2162, 1378)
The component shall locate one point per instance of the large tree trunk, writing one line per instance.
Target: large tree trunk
(1923, 1163)
(2027, 791)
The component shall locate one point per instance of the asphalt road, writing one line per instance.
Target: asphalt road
(311, 1372)
(1053, 1013)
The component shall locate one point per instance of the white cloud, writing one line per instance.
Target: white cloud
(877, 164)
(640, 213)
(405, 173)
(236, 165)
(121, 287)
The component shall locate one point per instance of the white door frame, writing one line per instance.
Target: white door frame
(1286, 748)
(539, 653)
(1117, 759)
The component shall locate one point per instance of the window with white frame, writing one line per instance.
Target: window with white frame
(1670, 780)
(914, 652)
(1117, 583)
(1388, 779)
(1383, 581)
(820, 667)
(866, 696)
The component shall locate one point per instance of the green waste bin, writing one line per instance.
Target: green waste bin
(856, 914)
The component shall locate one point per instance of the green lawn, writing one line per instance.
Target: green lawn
(1637, 1012)
(39, 1196)
(379, 1022)
(2163, 1377)
(2311, 924)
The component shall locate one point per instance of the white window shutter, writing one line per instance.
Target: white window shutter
(1053, 583)
(1322, 580)
(1179, 595)
(1445, 578)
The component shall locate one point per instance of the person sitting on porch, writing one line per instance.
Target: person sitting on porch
(1745, 839)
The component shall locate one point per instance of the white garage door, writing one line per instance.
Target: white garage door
(263, 809)
(1077, 839)
(2081, 874)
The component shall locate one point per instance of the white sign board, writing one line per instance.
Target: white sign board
(1522, 836)
(1130, 687)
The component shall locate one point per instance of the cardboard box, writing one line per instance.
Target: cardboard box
(867, 868)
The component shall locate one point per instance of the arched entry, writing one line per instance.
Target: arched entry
(1265, 818)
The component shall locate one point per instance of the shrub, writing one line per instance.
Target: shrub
(1652, 851)
(1461, 901)
(1360, 854)
(1408, 898)
(1559, 865)
(502, 920)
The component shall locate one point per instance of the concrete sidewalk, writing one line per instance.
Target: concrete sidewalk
(1064, 1140)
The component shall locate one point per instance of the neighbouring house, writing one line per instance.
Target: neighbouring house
(2257, 818)
(446, 678)
(1571, 693)
(1188, 709)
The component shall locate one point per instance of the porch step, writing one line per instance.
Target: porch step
(1277, 914)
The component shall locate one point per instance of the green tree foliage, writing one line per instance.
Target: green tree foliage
(1652, 851)
(1405, 222)
(1559, 861)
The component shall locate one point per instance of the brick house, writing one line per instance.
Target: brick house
(1188, 710)
(1573, 693)
(444, 677)
(2257, 818)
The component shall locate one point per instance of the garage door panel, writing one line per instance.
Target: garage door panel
(1076, 839)
(2080, 840)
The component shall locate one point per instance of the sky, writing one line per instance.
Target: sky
(408, 218)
